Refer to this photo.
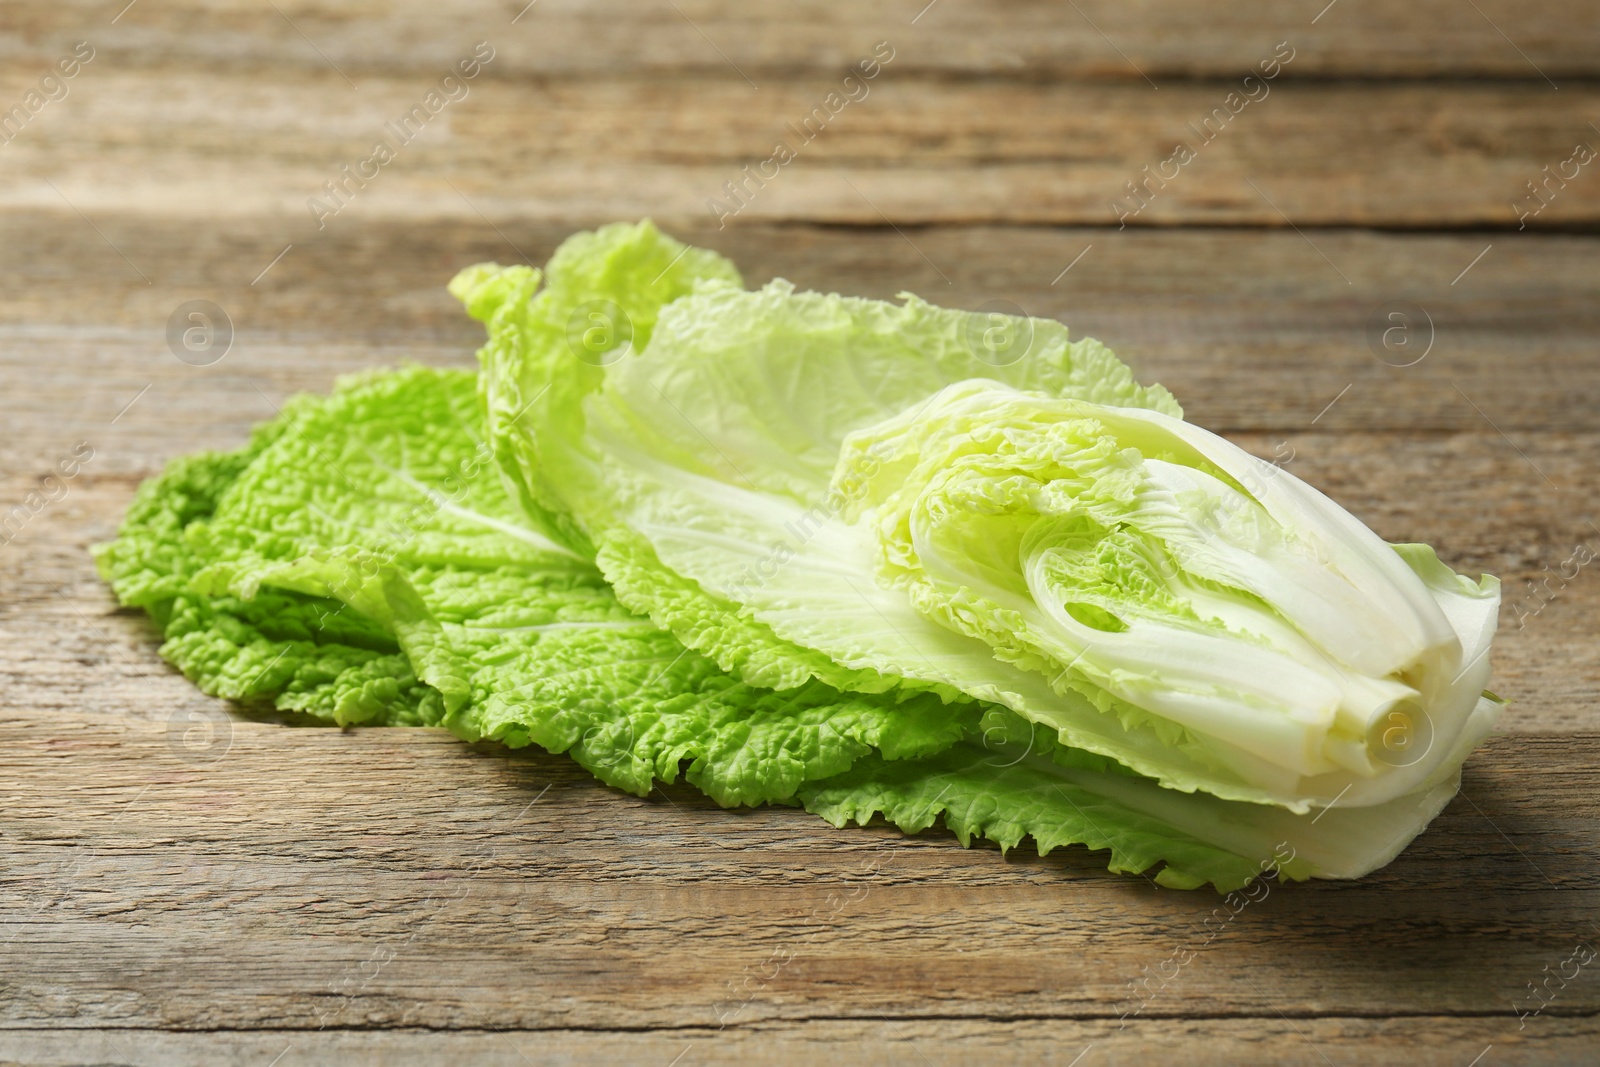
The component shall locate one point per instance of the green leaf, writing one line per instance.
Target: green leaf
(864, 556)
(1010, 784)
(981, 797)
(362, 562)
(905, 498)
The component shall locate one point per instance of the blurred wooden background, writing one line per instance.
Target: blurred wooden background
(304, 896)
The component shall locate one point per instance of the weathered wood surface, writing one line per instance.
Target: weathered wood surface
(210, 917)
(1254, 330)
(1175, 39)
(243, 142)
(392, 896)
(277, 879)
(197, 111)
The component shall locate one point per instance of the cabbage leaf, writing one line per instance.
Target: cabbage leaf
(879, 496)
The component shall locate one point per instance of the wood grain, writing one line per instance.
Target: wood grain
(1098, 39)
(201, 111)
(220, 143)
(242, 883)
(1253, 330)
(1225, 1042)
(282, 896)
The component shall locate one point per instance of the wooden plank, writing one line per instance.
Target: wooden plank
(1295, 1042)
(185, 143)
(154, 891)
(395, 896)
(1253, 331)
(1163, 39)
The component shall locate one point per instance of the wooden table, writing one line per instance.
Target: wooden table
(293, 896)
